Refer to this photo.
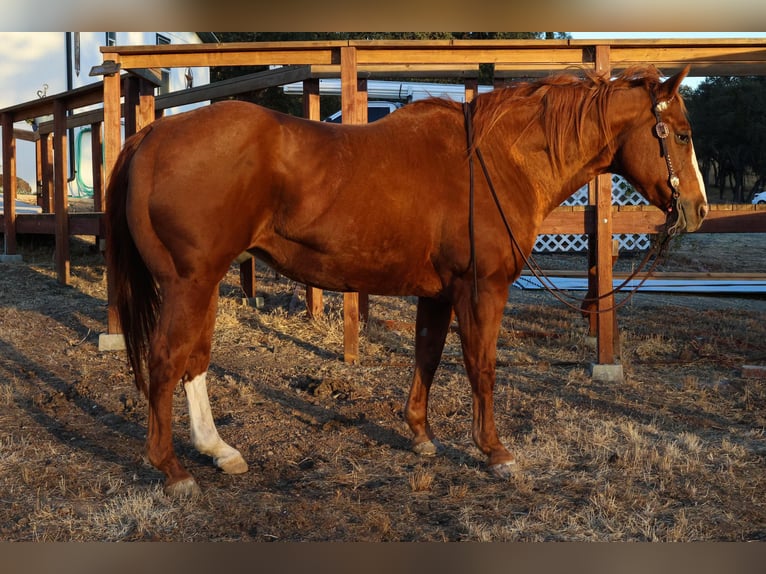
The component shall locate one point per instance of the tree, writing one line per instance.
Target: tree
(729, 119)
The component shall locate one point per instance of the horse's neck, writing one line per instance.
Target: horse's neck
(579, 162)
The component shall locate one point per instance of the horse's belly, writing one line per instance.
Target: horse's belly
(375, 273)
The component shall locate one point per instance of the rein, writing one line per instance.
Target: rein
(657, 251)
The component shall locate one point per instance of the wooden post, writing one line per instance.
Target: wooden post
(112, 128)
(97, 163)
(46, 173)
(471, 88)
(349, 108)
(9, 185)
(60, 195)
(247, 277)
(131, 104)
(311, 110)
(145, 113)
(606, 318)
(39, 170)
(112, 145)
(361, 118)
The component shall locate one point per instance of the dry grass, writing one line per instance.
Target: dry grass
(674, 453)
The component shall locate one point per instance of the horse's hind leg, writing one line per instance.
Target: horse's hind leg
(431, 327)
(204, 435)
(182, 314)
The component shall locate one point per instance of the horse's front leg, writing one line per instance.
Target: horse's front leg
(479, 326)
(431, 327)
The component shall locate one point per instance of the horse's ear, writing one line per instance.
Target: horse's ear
(671, 85)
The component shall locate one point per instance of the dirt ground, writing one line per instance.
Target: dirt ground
(676, 452)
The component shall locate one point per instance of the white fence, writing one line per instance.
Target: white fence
(622, 194)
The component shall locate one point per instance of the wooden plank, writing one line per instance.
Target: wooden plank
(77, 98)
(233, 86)
(418, 55)
(45, 224)
(25, 135)
(87, 224)
(406, 70)
(221, 47)
(676, 275)
(648, 219)
(284, 57)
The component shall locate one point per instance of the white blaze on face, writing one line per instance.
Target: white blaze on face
(699, 174)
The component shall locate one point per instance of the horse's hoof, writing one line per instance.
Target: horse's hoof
(233, 464)
(186, 488)
(504, 470)
(428, 448)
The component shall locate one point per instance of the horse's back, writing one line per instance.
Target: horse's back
(341, 207)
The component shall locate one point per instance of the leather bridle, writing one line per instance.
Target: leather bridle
(658, 250)
(663, 131)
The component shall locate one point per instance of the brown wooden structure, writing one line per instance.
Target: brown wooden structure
(131, 97)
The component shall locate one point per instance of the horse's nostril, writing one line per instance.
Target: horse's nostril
(703, 210)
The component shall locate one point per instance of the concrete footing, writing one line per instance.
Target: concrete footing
(11, 258)
(256, 302)
(608, 373)
(111, 342)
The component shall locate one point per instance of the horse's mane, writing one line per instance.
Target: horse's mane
(563, 102)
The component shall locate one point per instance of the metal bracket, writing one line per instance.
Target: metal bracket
(108, 68)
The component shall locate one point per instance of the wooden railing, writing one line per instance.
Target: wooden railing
(354, 61)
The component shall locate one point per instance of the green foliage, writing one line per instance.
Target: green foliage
(729, 119)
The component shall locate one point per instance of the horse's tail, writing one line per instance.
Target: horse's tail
(134, 293)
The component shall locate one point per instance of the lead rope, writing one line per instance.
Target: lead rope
(471, 236)
(658, 250)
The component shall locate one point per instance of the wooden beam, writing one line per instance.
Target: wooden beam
(234, 86)
(60, 195)
(284, 57)
(405, 70)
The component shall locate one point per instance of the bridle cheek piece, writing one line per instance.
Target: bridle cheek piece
(663, 131)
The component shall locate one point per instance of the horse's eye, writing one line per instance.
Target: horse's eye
(683, 139)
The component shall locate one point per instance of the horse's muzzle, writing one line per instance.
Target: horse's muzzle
(691, 215)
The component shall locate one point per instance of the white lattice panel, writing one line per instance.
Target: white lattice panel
(622, 194)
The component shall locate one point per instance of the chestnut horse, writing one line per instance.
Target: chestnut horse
(380, 208)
